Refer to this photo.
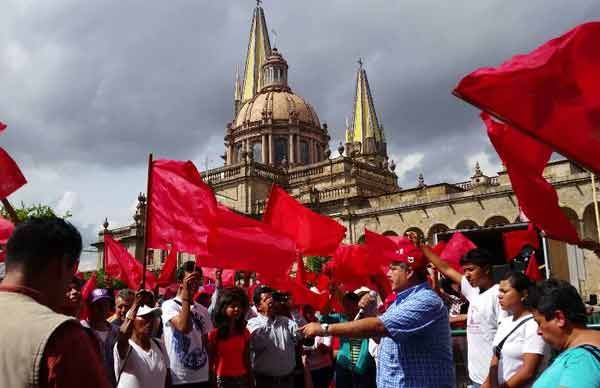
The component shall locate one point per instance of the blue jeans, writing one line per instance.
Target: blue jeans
(475, 385)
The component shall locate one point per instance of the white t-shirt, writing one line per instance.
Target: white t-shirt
(482, 322)
(143, 369)
(187, 352)
(524, 340)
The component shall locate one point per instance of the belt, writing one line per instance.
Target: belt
(274, 379)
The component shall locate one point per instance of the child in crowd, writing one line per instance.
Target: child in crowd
(229, 342)
(319, 354)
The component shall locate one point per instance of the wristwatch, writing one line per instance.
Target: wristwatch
(325, 327)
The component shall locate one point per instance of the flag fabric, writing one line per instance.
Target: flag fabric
(533, 271)
(2, 126)
(350, 267)
(11, 177)
(182, 208)
(385, 249)
(314, 234)
(6, 229)
(121, 265)
(86, 291)
(525, 159)
(168, 271)
(515, 241)
(245, 244)
(455, 249)
(551, 93)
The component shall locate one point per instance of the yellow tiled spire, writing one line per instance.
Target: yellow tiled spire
(365, 121)
(259, 48)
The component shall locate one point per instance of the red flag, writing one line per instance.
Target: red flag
(245, 244)
(385, 249)
(525, 159)
(455, 249)
(11, 177)
(314, 234)
(515, 241)
(182, 208)
(2, 126)
(550, 93)
(351, 266)
(167, 274)
(533, 271)
(86, 290)
(439, 247)
(121, 265)
(6, 229)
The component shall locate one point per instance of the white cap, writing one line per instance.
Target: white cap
(362, 289)
(146, 310)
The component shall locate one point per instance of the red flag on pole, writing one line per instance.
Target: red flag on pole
(2, 126)
(245, 244)
(525, 159)
(515, 241)
(455, 249)
(11, 177)
(86, 291)
(167, 273)
(314, 234)
(227, 275)
(551, 93)
(385, 249)
(533, 271)
(6, 229)
(182, 208)
(121, 265)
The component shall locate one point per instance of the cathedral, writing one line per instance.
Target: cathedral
(276, 136)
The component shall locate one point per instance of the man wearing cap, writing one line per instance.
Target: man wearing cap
(39, 347)
(415, 349)
(99, 303)
(140, 359)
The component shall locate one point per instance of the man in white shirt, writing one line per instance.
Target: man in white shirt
(477, 285)
(186, 326)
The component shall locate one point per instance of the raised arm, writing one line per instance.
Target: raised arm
(182, 322)
(445, 268)
(127, 327)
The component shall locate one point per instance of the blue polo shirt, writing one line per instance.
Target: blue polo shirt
(418, 351)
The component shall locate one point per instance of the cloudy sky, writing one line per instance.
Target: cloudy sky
(89, 88)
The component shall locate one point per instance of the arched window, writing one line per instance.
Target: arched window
(257, 152)
(466, 224)
(437, 228)
(303, 152)
(238, 152)
(496, 221)
(281, 150)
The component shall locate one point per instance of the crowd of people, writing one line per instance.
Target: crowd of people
(519, 334)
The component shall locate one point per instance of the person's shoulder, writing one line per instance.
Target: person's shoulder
(580, 356)
(70, 337)
(201, 309)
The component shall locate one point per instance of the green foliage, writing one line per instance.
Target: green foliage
(316, 263)
(25, 212)
(101, 280)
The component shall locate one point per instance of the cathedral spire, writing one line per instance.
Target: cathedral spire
(365, 124)
(259, 48)
(237, 92)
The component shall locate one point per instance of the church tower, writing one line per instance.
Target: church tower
(259, 49)
(364, 133)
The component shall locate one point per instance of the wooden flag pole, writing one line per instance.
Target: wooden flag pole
(10, 210)
(148, 199)
(595, 199)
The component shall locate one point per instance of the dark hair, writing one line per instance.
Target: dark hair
(478, 256)
(230, 295)
(77, 282)
(187, 267)
(351, 297)
(519, 282)
(420, 273)
(258, 291)
(38, 240)
(551, 295)
(126, 293)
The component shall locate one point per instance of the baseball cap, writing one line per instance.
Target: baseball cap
(412, 256)
(99, 294)
(147, 310)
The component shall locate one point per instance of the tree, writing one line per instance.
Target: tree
(25, 212)
(316, 263)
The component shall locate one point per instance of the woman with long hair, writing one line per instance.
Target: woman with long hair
(229, 342)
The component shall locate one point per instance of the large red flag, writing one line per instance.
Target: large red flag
(167, 273)
(11, 177)
(550, 93)
(385, 249)
(455, 249)
(121, 265)
(525, 159)
(533, 271)
(182, 208)
(86, 291)
(227, 275)
(515, 241)
(314, 234)
(245, 244)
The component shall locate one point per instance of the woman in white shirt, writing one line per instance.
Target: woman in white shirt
(518, 348)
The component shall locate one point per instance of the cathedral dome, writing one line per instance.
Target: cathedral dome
(278, 104)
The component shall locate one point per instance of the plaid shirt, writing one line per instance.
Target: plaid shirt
(417, 353)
